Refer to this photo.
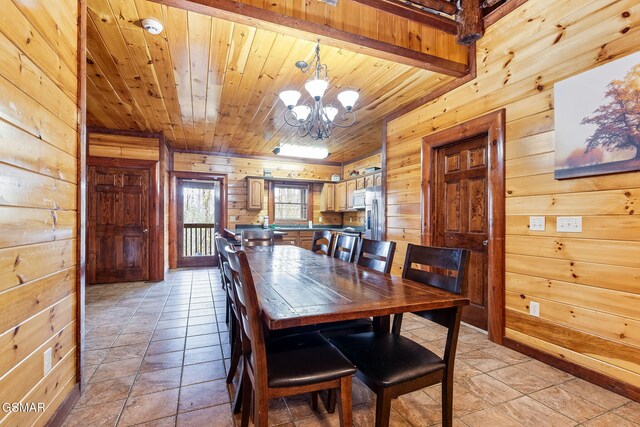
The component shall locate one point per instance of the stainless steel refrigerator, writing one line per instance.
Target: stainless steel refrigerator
(373, 213)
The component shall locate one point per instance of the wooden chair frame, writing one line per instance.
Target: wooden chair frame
(339, 247)
(323, 235)
(376, 254)
(255, 357)
(257, 238)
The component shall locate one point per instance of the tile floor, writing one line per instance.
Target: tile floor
(156, 355)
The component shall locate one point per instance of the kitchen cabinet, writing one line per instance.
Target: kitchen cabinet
(377, 180)
(305, 240)
(368, 181)
(328, 198)
(351, 187)
(255, 193)
(341, 196)
(360, 183)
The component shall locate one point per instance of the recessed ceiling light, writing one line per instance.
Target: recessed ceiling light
(152, 25)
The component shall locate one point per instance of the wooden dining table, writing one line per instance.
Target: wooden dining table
(297, 287)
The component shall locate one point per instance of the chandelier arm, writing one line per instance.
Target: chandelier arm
(349, 117)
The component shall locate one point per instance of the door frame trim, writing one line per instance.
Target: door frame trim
(493, 125)
(173, 207)
(156, 199)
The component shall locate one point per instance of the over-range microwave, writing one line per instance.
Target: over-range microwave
(359, 198)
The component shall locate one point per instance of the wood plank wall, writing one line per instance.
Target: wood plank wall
(38, 190)
(237, 168)
(588, 284)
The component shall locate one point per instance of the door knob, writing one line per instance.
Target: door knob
(485, 242)
(145, 230)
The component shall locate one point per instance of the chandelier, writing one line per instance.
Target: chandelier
(314, 117)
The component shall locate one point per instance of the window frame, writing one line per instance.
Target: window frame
(272, 202)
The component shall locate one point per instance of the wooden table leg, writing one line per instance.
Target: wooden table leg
(382, 324)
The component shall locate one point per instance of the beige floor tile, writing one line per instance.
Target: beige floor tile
(148, 407)
(464, 401)
(594, 393)
(630, 411)
(165, 334)
(544, 371)
(418, 408)
(568, 404)
(533, 413)
(202, 395)
(482, 361)
(163, 422)
(610, 419)
(155, 362)
(155, 381)
(166, 346)
(490, 417)
(202, 372)
(520, 379)
(125, 352)
(102, 415)
(106, 391)
(490, 389)
(219, 416)
(202, 341)
(120, 368)
(202, 354)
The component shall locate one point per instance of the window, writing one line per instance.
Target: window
(290, 202)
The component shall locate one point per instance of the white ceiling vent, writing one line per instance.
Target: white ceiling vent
(330, 2)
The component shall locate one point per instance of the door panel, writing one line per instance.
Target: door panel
(118, 225)
(460, 214)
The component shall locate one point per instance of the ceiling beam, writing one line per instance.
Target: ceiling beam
(413, 14)
(470, 22)
(265, 19)
(440, 5)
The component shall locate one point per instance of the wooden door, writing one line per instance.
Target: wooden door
(460, 214)
(199, 217)
(118, 225)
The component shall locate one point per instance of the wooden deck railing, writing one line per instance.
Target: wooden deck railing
(199, 240)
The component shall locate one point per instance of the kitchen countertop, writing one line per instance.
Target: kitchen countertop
(282, 230)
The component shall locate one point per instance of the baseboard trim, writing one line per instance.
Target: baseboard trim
(624, 389)
(67, 405)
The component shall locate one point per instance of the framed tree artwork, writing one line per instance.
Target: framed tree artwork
(597, 120)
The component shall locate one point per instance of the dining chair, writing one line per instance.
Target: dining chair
(392, 365)
(322, 242)
(376, 254)
(234, 332)
(303, 363)
(345, 247)
(257, 238)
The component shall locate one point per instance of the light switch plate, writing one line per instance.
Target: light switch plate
(536, 223)
(569, 224)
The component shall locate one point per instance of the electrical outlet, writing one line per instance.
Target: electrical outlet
(569, 224)
(320, 219)
(47, 360)
(534, 309)
(536, 223)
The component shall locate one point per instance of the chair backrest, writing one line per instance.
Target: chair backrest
(248, 313)
(221, 245)
(376, 254)
(322, 242)
(257, 238)
(443, 268)
(345, 247)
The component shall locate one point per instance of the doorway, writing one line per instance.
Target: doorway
(463, 206)
(118, 224)
(199, 211)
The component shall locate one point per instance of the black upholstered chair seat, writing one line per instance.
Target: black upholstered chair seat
(303, 359)
(388, 359)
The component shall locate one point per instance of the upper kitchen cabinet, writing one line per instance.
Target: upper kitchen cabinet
(255, 193)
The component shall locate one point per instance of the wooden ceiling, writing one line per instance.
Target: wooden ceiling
(212, 85)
